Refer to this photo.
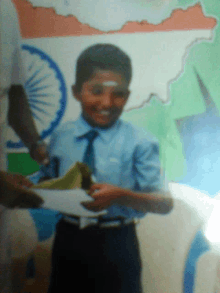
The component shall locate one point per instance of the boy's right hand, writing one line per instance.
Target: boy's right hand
(13, 193)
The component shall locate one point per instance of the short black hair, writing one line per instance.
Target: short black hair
(105, 57)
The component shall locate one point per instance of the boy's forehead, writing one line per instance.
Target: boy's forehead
(107, 78)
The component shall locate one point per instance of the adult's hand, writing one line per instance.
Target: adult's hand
(38, 152)
(14, 192)
(21, 120)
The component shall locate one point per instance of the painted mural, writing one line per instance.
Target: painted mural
(174, 47)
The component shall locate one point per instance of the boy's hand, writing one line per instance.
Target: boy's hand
(105, 195)
(14, 194)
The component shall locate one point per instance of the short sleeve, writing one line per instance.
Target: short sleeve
(11, 63)
(18, 70)
(147, 168)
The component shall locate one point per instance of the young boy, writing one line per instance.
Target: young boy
(104, 255)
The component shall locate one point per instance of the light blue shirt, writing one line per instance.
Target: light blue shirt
(125, 156)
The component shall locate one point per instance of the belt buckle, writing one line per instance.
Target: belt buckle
(120, 222)
(81, 222)
(110, 224)
(86, 222)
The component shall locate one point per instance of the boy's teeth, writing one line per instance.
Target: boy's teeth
(104, 112)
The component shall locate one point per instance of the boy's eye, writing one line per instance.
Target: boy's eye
(97, 90)
(120, 94)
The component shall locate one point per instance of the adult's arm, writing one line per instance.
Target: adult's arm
(21, 120)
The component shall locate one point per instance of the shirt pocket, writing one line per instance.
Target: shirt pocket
(108, 170)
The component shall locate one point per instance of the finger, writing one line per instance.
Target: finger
(14, 178)
(46, 161)
(95, 186)
(28, 199)
(42, 160)
(20, 180)
(92, 208)
(103, 193)
(26, 182)
(29, 184)
(41, 155)
(97, 194)
(27, 205)
(32, 197)
(97, 205)
(86, 205)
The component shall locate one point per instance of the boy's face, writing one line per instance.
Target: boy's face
(103, 98)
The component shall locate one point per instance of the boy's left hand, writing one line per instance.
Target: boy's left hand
(104, 195)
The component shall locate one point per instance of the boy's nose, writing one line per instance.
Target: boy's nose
(106, 101)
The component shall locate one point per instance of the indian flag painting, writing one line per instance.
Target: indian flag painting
(46, 90)
(52, 43)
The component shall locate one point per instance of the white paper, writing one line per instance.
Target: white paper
(67, 202)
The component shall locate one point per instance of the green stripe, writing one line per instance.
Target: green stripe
(22, 163)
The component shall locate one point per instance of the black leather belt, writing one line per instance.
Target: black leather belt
(82, 222)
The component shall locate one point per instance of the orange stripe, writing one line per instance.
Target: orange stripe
(44, 22)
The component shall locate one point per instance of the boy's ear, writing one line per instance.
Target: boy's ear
(75, 93)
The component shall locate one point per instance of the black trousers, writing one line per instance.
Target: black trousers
(99, 260)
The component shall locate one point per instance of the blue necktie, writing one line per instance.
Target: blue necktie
(89, 156)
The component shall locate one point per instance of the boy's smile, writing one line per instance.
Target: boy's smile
(103, 98)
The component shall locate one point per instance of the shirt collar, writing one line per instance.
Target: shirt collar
(82, 127)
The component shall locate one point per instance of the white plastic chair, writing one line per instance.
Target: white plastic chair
(166, 241)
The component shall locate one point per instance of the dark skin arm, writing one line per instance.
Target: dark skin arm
(12, 186)
(106, 195)
(21, 120)
(13, 193)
